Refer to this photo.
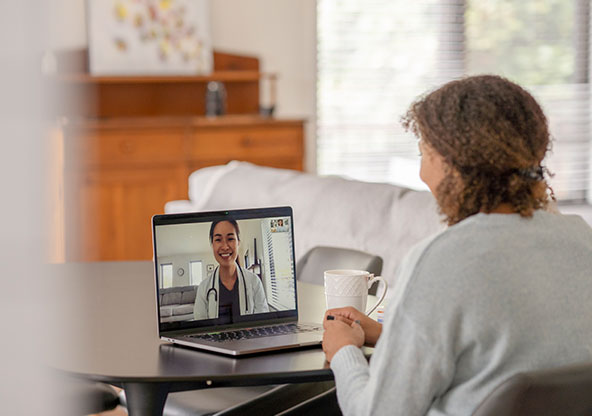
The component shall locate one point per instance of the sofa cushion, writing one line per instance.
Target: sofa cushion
(166, 311)
(171, 298)
(188, 296)
(183, 309)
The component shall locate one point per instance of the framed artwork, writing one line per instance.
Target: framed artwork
(149, 37)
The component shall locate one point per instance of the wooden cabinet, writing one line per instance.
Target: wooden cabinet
(120, 172)
(131, 143)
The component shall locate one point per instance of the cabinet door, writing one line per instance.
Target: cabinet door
(111, 211)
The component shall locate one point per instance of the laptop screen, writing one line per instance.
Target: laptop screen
(224, 268)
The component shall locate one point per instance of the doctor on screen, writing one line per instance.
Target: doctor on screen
(231, 290)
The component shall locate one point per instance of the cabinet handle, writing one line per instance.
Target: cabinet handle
(246, 141)
(126, 147)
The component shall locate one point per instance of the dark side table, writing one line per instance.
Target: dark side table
(110, 335)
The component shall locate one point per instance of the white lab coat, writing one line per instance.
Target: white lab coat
(207, 307)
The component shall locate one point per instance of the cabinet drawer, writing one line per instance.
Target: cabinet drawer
(129, 147)
(246, 143)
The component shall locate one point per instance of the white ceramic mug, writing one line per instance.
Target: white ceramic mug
(350, 288)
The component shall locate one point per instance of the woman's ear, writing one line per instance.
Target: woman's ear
(433, 167)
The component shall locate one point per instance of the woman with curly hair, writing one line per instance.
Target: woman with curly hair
(505, 288)
(490, 137)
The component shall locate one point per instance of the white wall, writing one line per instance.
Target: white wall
(25, 388)
(282, 33)
(67, 27)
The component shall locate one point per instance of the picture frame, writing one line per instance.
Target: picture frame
(149, 37)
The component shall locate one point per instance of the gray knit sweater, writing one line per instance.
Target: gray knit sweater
(484, 299)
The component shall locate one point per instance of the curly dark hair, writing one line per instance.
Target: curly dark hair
(493, 136)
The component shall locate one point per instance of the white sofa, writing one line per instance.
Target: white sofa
(381, 219)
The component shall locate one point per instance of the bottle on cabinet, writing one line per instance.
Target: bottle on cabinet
(215, 99)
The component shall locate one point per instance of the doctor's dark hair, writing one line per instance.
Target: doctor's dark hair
(231, 221)
(493, 136)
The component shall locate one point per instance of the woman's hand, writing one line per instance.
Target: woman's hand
(338, 334)
(348, 315)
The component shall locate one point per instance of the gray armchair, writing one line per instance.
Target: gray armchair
(311, 267)
(565, 391)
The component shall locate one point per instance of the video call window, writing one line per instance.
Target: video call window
(190, 266)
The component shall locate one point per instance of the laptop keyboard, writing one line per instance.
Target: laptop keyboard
(258, 332)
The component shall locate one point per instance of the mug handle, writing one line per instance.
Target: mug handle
(379, 301)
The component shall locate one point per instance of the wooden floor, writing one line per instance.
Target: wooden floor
(118, 411)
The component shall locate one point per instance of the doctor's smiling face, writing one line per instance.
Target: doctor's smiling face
(225, 242)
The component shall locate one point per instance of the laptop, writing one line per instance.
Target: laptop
(226, 281)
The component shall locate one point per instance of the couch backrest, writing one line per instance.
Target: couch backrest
(381, 219)
(177, 295)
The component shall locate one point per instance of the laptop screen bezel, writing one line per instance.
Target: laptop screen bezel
(209, 216)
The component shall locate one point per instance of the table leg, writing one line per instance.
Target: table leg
(145, 399)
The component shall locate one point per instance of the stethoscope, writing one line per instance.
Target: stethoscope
(215, 292)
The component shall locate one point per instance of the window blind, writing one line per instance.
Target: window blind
(375, 57)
